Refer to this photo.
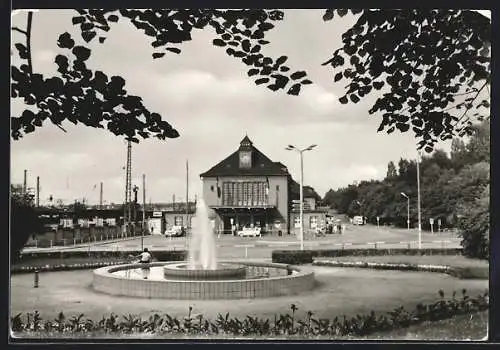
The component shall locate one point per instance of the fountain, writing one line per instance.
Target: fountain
(202, 251)
(202, 276)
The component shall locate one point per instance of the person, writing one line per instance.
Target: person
(145, 258)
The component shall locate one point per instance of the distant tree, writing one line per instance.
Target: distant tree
(474, 225)
(391, 170)
(24, 220)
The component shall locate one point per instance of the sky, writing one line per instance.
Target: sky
(207, 96)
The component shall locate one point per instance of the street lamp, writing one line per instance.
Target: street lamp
(361, 211)
(408, 217)
(418, 203)
(301, 151)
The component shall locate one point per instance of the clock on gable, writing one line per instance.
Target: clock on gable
(245, 159)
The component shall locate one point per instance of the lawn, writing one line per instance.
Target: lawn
(462, 327)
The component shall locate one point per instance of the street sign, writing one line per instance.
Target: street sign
(439, 222)
(431, 221)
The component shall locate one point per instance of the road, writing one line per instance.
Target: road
(229, 247)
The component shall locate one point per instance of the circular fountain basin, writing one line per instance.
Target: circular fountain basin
(222, 272)
(259, 280)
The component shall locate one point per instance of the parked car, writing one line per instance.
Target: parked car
(249, 232)
(175, 231)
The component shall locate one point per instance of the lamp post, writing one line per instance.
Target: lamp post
(418, 203)
(301, 151)
(408, 207)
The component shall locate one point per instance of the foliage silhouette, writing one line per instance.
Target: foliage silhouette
(430, 67)
(427, 64)
(24, 219)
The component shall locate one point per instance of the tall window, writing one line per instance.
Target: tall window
(244, 193)
(296, 221)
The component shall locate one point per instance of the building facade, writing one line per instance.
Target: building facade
(247, 189)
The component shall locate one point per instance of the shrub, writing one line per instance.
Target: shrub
(306, 256)
(294, 257)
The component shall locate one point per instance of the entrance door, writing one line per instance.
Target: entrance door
(154, 226)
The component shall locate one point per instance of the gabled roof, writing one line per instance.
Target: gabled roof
(261, 166)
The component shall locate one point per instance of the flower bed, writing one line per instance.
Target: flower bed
(297, 257)
(283, 325)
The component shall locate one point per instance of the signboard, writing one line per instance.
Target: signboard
(439, 222)
(157, 214)
(431, 221)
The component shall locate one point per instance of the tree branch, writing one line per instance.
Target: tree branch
(28, 41)
(471, 102)
(19, 30)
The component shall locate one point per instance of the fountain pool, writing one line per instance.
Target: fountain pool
(202, 276)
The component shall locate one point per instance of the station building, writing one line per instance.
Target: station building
(247, 189)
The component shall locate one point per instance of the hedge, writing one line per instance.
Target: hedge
(297, 257)
(98, 254)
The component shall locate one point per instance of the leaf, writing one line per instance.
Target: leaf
(294, 90)
(284, 69)
(158, 54)
(281, 60)
(113, 18)
(174, 50)
(246, 45)
(338, 76)
(354, 98)
(85, 26)
(88, 35)
(255, 49)
(263, 42)
(82, 53)
(343, 100)
(298, 75)
(252, 72)
(306, 82)
(342, 12)
(262, 81)
(328, 15)
(219, 42)
(65, 41)
(378, 84)
(23, 51)
(78, 20)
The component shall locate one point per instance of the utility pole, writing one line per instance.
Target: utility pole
(25, 189)
(187, 194)
(38, 191)
(143, 210)
(418, 203)
(128, 190)
(100, 197)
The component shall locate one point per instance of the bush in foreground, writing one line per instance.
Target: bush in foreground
(224, 325)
